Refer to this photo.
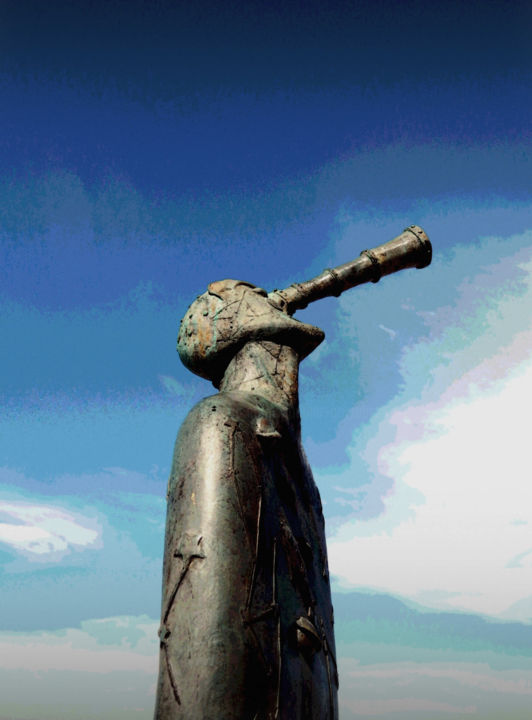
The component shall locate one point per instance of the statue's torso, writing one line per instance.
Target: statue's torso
(247, 628)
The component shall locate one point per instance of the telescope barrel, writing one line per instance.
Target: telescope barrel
(411, 248)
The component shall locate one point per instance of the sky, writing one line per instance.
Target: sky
(149, 148)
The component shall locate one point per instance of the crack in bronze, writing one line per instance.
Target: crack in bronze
(234, 430)
(164, 631)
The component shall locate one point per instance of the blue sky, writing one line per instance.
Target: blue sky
(148, 149)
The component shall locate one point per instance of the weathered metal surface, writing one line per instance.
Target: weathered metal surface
(233, 613)
(220, 321)
(247, 621)
(411, 248)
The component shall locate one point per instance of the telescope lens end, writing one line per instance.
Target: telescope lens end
(425, 246)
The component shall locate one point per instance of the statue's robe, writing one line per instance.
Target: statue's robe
(247, 622)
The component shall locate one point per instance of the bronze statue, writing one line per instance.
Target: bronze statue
(247, 621)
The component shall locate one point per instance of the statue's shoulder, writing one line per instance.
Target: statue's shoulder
(211, 423)
(224, 408)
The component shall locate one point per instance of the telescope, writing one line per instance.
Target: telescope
(411, 248)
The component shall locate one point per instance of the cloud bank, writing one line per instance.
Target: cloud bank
(440, 690)
(108, 667)
(450, 454)
(103, 669)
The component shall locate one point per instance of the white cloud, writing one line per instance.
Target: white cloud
(46, 531)
(455, 530)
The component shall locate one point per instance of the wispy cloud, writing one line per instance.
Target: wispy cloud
(392, 334)
(174, 387)
(46, 531)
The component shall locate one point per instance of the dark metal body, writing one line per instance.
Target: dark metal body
(247, 622)
(247, 627)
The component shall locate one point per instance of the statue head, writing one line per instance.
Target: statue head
(230, 314)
